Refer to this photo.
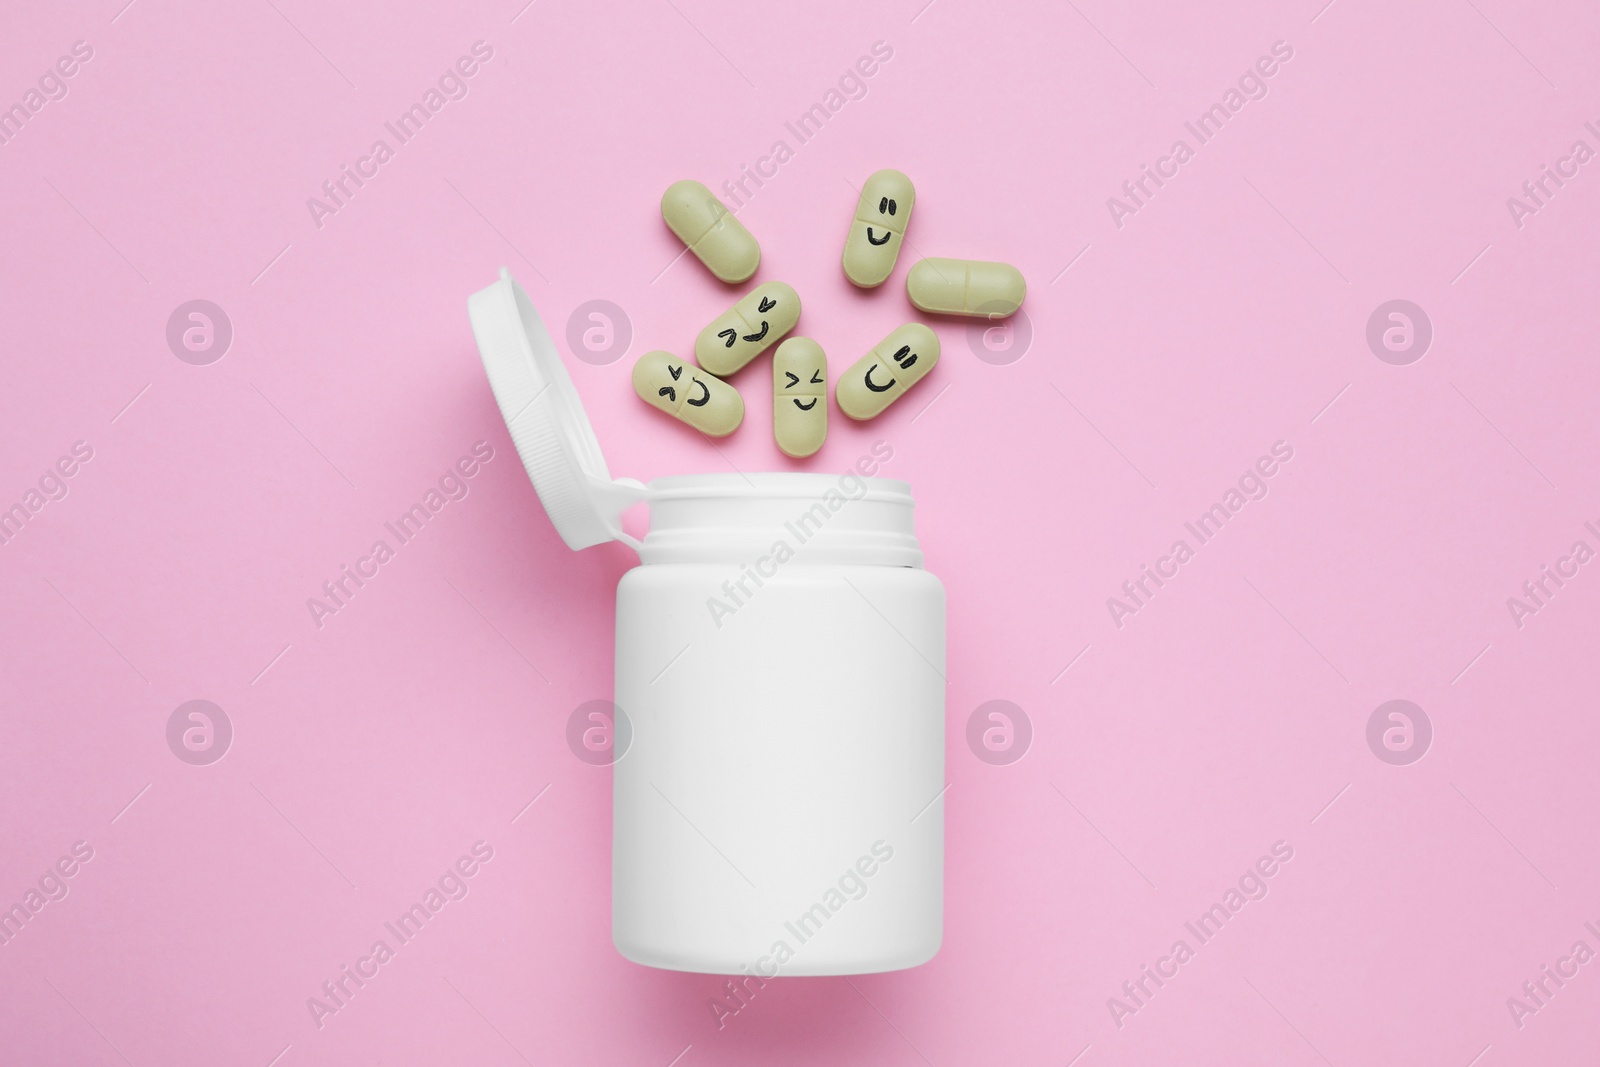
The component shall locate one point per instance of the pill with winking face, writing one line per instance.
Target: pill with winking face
(799, 397)
(688, 393)
(740, 334)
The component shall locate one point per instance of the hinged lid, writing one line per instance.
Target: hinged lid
(546, 419)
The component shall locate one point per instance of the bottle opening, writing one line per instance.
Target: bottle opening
(813, 518)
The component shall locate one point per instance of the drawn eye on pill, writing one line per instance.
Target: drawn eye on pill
(794, 379)
(731, 335)
(766, 305)
(668, 391)
(816, 376)
(904, 357)
(705, 394)
(756, 336)
(804, 407)
(875, 387)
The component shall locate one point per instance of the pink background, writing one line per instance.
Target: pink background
(1230, 713)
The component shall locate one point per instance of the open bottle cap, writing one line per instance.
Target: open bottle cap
(546, 418)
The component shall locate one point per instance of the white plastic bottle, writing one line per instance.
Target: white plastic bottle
(780, 664)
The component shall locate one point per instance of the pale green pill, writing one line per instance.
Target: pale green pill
(688, 393)
(883, 212)
(749, 328)
(883, 375)
(702, 222)
(970, 287)
(799, 397)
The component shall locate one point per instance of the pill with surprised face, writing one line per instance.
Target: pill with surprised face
(883, 375)
(799, 397)
(688, 393)
(747, 329)
(879, 225)
(702, 222)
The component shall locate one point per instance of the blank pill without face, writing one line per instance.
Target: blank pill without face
(883, 375)
(799, 397)
(748, 329)
(688, 393)
(702, 222)
(970, 287)
(883, 211)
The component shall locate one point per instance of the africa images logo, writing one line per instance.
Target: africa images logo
(1252, 85)
(453, 84)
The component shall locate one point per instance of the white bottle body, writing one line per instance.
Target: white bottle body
(778, 809)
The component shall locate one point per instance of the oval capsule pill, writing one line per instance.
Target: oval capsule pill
(966, 287)
(799, 397)
(688, 393)
(882, 213)
(747, 329)
(883, 375)
(702, 222)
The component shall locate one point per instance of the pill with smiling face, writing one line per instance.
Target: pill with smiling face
(799, 397)
(883, 375)
(747, 329)
(969, 287)
(702, 222)
(882, 214)
(688, 393)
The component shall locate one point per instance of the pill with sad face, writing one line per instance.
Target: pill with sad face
(688, 393)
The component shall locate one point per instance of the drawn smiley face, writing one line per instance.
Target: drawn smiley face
(886, 208)
(731, 340)
(882, 376)
(731, 335)
(688, 393)
(693, 399)
(903, 358)
(799, 397)
(793, 382)
(878, 228)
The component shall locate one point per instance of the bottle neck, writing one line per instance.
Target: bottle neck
(808, 518)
